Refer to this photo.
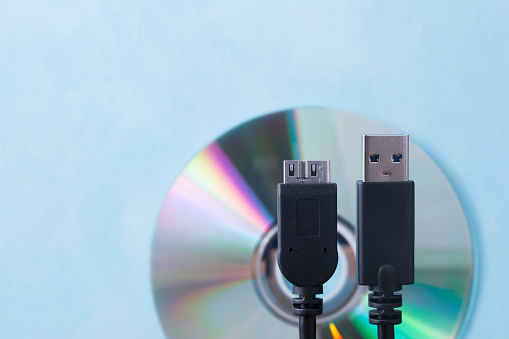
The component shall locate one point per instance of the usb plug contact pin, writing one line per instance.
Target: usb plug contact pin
(385, 157)
(306, 172)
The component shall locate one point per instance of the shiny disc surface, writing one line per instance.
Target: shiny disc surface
(213, 265)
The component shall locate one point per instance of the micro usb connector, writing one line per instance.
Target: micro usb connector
(385, 230)
(307, 236)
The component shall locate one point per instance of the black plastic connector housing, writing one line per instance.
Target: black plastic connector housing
(385, 234)
(307, 232)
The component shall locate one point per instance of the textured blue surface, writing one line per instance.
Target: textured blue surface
(102, 104)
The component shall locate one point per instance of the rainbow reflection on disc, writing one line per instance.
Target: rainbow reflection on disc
(213, 266)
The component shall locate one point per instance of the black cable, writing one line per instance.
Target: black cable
(385, 231)
(307, 326)
(307, 236)
(385, 331)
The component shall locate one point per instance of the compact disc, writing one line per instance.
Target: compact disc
(214, 271)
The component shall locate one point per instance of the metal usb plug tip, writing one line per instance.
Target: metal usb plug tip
(385, 157)
(306, 172)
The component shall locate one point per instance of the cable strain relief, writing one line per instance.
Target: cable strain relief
(307, 304)
(385, 298)
(385, 303)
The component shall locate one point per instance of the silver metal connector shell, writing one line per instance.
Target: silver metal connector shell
(306, 172)
(385, 157)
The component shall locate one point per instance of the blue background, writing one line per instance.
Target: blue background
(102, 104)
